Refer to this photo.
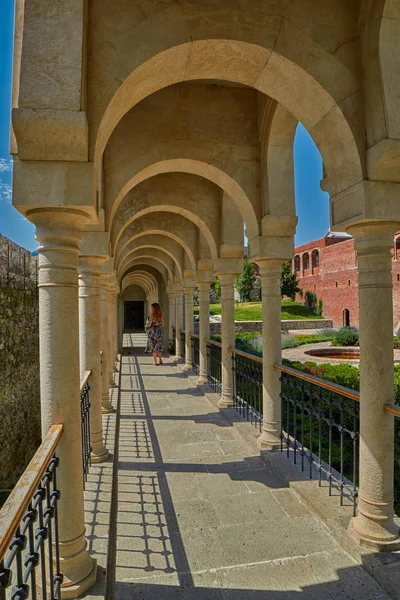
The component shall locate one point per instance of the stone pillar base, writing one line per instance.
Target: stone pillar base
(202, 380)
(374, 544)
(78, 589)
(225, 403)
(99, 458)
(267, 443)
(187, 367)
(106, 406)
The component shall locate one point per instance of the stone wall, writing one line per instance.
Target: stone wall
(19, 361)
(246, 326)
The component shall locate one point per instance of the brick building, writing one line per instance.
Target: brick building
(328, 267)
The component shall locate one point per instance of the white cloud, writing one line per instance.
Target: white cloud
(5, 164)
(5, 192)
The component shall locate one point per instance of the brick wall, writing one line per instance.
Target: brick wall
(19, 361)
(336, 281)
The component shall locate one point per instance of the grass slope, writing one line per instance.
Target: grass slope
(252, 311)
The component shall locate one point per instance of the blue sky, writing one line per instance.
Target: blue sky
(312, 203)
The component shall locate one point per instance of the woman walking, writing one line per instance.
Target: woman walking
(154, 333)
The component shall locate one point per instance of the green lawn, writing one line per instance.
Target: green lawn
(252, 311)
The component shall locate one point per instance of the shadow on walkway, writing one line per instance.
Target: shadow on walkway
(197, 515)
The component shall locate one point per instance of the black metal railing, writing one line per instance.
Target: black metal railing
(195, 349)
(320, 427)
(85, 425)
(29, 546)
(214, 366)
(182, 337)
(247, 386)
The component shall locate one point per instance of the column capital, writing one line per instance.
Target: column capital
(269, 267)
(228, 266)
(58, 226)
(270, 247)
(227, 278)
(373, 234)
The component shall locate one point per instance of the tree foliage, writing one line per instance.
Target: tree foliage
(245, 282)
(289, 281)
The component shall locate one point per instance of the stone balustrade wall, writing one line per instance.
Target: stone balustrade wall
(19, 361)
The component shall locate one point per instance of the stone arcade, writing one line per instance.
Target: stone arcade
(145, 134)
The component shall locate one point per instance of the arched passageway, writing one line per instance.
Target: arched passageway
(147, 139)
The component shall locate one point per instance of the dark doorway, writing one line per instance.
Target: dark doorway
(346, 317)
(133, 315)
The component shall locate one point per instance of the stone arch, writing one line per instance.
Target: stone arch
(194, 167)
(168, 247)
(193, 197)
(277, 133)
(311, 90)
(171, 225)
(143, 263)
(162, 262)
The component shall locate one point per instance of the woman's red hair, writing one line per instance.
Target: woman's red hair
(157, 312)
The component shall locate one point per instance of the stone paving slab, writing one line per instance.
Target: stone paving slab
(200, 516)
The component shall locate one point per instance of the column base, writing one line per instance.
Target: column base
(99, 458)
(112, 383)
(268, 442)
(106, 410)
(78, 589)
(202, 380)
(187, 367)
(225, 402)
(376, 544)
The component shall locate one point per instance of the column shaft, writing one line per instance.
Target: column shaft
(374, 526)
(104, 314)
(228, 337)
(188, 327)
(204, 329)
(179, 321)
(89, 347)
(59, 233)
(270, 272)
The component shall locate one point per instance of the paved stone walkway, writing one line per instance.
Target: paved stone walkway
(198, 514)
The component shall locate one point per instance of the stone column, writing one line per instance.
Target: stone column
(188, 291)
(374, 527)
(204, 328)
(104, 315)
(89, 346)
(59, 233)
(111, 333)
(179, 323)
(228, 336)
(171, 310)
(270, 273)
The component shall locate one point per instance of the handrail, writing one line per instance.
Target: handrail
(85, 378)
(194, 335)
(208, 341)
(333, 387)
(392, 409)
(13, 510)
(246, 355)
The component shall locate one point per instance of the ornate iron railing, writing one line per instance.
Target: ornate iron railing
(29, 546)
(320, 426)
(182, 337)
(85, 424)
(214, 365)
(195, 349)
(247, 385)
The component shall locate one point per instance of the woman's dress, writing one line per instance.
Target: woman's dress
(155, 342)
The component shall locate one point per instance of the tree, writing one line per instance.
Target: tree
(245, 282)
(289, 281)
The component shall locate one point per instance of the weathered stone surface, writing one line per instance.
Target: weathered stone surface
(19, 361)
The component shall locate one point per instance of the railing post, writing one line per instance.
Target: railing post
(89, 346)
(204, 328)
(270, 272)
(374, 526)
(59, 234)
